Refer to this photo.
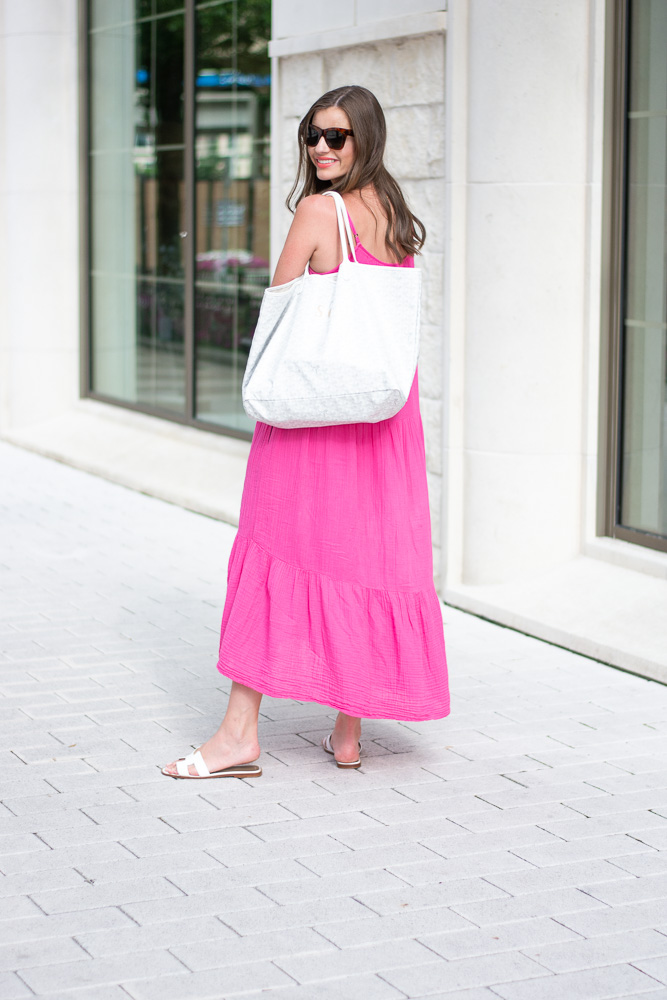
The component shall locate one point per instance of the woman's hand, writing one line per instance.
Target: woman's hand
(313, 226)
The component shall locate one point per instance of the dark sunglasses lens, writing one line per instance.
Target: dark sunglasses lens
(334, 139)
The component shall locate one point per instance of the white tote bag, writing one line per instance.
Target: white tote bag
(336, 348)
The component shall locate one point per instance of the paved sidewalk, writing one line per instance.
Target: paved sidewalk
(517, 849)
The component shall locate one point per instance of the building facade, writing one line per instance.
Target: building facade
(147, 149)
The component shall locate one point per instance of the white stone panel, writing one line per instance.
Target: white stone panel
(39, 290)
(42, 282)
(524, 337)
(378, 10)
(41, 152)
(43, 381)
(419, 71)
(527, 90)
(303, 17)
(521, 514)
(38, 17)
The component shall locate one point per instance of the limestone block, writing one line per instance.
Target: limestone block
(289, 149)
(426, 198)
(365, 65)
(434, 499)
(416, 141)
(432, 267)
(430, 361)
(437, 565)
(284, 218)
(301, 82)
(419, 70)
(431, 411)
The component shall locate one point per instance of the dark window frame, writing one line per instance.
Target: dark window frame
(614, 250)
(85, 377)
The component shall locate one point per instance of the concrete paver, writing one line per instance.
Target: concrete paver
(515, 850)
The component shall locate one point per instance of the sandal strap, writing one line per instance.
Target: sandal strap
(329, 746)
(197, 761)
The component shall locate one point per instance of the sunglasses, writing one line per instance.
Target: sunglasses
(334, 137)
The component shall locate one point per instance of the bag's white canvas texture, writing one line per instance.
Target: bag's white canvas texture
(335, 349)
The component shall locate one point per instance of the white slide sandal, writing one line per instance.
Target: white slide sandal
(197, 761)
(326, 744)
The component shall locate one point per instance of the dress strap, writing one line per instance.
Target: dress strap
(354, 231)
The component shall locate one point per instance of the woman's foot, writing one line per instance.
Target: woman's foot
(222, 751)
(345, 737)
(235, 741)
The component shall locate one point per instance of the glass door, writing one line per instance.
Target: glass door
(232, 203)
(137, 202)
(177, 121)
(643, 480)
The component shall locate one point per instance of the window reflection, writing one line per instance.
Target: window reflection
(232, 201)
(139, 202)
(644, 457)
(160, 207)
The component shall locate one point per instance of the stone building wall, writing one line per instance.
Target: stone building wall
(408, 78)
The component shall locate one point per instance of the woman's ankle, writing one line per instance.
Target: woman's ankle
(347, 727)
(236, 736)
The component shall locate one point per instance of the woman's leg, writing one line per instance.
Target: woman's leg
(236, 740)
(345, 737)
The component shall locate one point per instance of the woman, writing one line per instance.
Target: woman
(330, 592)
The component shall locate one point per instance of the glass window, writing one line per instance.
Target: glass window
(178, 256)
(232, 203)
(643, 485)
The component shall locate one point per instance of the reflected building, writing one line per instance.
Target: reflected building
(178, 179)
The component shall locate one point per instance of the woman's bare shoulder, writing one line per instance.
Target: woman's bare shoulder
(315, 207)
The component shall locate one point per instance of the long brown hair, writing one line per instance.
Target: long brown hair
(404, 234)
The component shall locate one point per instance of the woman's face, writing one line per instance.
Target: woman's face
(332, 163)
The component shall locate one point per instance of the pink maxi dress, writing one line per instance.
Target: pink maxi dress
(330, 593)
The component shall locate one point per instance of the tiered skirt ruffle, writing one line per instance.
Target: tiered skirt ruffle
(290, 633)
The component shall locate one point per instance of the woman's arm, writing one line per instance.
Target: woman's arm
(311, 227)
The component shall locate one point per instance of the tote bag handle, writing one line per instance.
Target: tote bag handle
(344, 230)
